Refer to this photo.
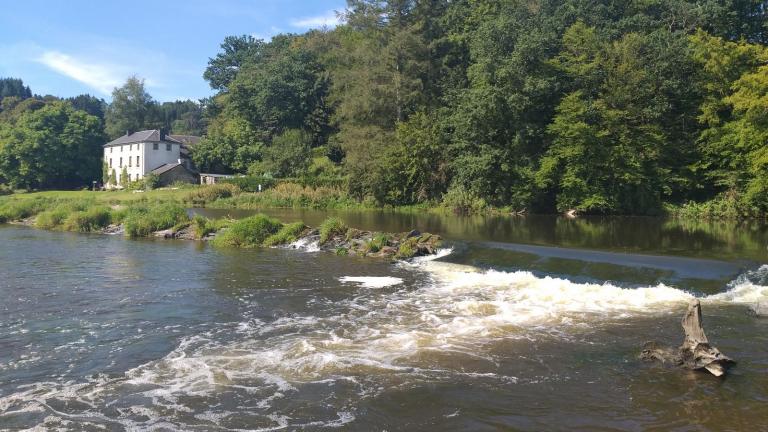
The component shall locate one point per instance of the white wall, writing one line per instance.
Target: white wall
(148, 158)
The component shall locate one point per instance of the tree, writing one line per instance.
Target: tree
(236, 52)
(10, 87)
(53, 146)
(124, 182)
(288, 155)
(90, 104)
(132, 109)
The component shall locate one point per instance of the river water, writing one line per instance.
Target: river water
(526, 324)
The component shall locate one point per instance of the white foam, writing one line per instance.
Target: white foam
(306, 244)
(372, 281)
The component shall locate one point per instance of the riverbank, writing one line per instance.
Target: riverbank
(135, 219)
(295, 196)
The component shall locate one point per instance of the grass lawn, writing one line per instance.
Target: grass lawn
(109, 197)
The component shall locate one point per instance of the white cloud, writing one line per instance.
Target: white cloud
(101, 77)
(328, 19)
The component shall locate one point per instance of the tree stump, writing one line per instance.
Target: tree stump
(695, 353)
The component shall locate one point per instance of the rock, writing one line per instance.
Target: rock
(113, 229)
(413, 233)
(168, 233)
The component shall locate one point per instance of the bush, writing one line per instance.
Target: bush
(331, 227)
(5, 190)
(459, 200)
(287, 234)
(93, 219)
(407, 248)
(248, 232)
(141, 221)
(51, 219)
(250, 183)
(204, 226)
(208, 193)
(377, 243)
(23, 208)
(150, 181)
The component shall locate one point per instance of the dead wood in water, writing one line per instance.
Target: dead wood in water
(695, 353)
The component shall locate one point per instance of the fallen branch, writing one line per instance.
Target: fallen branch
(695, 353)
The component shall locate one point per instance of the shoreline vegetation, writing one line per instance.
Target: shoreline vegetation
(297, 196)
(167, 216)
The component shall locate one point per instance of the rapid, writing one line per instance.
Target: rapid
(98, 332)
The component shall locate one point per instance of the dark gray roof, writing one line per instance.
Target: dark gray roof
(165, 168)
(187, 140)
(152, 135)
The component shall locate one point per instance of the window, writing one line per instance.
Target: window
(167, 147)
(155, 146)
(110, 162)
(121, 162)
(130, 161)
(110, 149)
(130, 147)
(137, 161)
(129, 178)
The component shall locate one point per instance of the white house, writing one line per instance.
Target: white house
(144, 152)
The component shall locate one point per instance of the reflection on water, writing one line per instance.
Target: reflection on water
(724, 240)
(169, 335)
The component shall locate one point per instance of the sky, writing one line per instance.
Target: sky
(70, 47)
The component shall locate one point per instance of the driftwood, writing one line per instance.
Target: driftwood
(695, 353)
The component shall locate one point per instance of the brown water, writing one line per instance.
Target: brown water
(515, 328)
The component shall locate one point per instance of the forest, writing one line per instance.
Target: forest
(597, 106)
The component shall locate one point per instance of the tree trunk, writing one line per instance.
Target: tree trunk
(696, 352)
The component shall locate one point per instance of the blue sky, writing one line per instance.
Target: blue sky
(70, 47)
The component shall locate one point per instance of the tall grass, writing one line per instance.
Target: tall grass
(205, 194)
(203, 226)
(331, 227)
(142, 220)
(290, 195)
(248, 232)
(287, 234)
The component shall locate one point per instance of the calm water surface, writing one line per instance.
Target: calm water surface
(525, 324)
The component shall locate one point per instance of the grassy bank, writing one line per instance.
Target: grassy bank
(290, 195)
(144, 218)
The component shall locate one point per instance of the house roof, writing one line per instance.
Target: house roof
(187, 140)
(152, 135)
(165, 168)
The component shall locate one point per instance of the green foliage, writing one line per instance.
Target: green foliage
(132, 109)
(124, 182)
(408, 248)
(204, 226)
(460, 200)
(208, 193)
(248, 232)
(18, 209)
(331, 227)
(51, 146)
(378, 242)
(91, 219)
(288, 155)
(287, 234)
(150, 181)
(250, 183)
(142, 220)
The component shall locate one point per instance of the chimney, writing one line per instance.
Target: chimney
(162, 134)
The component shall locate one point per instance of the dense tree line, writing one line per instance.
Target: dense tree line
(548, 105)
(48, 142)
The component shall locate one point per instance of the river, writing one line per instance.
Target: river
(521, 323)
